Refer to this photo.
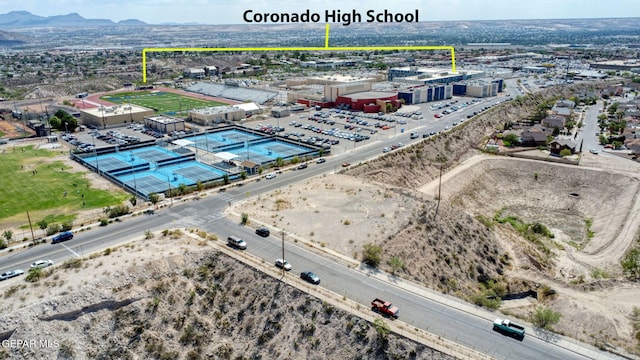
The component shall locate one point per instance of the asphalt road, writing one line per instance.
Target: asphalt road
(207, 213)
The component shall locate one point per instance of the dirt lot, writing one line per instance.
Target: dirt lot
(342, 213)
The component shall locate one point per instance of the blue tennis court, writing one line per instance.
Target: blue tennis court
(249, 146)
(161, 179)
(156, 169)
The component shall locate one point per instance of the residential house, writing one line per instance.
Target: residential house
(559, 144)
(565, 104)
(534, 136)
(565, 112)
(554, 121)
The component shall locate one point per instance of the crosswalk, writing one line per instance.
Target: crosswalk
(217, 215)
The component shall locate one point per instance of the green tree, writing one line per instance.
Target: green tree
(42, 224)
(8, 235)
(34, 274)
(382, 328)
(279, 161)
(133, 200)
(65, 118)
(603, 140)
(154, 198)
(55, 122)
(510, 140)
(244, 218)
(631, 264)
(225, 179)
(602, 118)
(372, 254)
(565, 152)
(199, 185)
(545, 318)
(396, 264)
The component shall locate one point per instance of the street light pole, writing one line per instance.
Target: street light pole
(169, 182)
(283, 259)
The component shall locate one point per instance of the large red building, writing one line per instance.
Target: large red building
(370, 101)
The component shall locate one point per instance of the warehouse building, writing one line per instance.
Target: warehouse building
(430, 76)
(116, 115)
(428, 93)
(164, 124)
(216, 115)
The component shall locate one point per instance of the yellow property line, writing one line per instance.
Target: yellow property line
(325, 48)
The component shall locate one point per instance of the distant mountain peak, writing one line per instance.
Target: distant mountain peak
(26, 19)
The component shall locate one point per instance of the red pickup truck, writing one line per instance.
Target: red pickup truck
(384, 308)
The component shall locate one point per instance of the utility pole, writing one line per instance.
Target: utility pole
(33, 237)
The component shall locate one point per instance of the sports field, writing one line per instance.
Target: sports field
(161, 102)
(39, 181)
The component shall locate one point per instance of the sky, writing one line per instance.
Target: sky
(231, 11)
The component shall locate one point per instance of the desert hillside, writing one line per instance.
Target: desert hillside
(146, 301)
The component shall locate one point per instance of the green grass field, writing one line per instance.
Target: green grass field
(34, 180)
(161, 102)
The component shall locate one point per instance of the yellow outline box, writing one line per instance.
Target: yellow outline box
(325, 48)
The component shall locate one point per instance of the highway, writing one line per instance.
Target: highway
(463, 327)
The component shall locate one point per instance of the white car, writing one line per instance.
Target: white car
(283, 264)
(41, 264)
(9, 274)
(386, 150)
(594, 151)
(270, 176)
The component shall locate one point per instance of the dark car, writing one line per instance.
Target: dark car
(302, 166)
(308, 276)
(264, 232)
(63, 236)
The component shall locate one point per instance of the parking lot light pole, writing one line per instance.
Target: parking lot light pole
(95, 153)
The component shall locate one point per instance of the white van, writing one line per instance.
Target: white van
(236, 242)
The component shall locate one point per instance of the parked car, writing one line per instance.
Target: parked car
(264, 232)
(345, 164)
(283, 264)
(41, 264)
(236, 242)
(63, 236)
(9, 274)
(308, 276)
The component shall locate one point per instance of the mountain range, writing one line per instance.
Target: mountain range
(17, 19)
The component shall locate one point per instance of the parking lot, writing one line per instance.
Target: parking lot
(92, 139)
(344, 130)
